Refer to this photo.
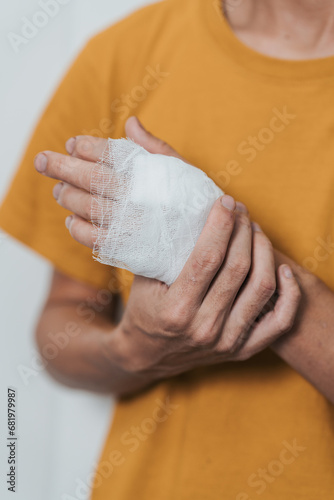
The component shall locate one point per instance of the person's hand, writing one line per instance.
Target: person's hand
(74, 172)
(212, 311)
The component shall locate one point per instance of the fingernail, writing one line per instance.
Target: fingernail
(70, 145)
(228, 202)
(56, 190)
(68, 221)
(256, 227)
(241, 207)
(287, 272)
(41, 162)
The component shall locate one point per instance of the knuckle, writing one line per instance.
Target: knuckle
(234, 338)
(239, 266)
(205, 334)
(229, 344)
(175, 318)
(202, 339)
(227, 347)
(244, 264)
(208, 259)
(285, 323)
(265, 286)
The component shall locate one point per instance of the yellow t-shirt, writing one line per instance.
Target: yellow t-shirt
(262, 129)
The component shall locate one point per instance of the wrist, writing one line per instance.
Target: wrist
(133, 353)
(113, 347)
(125, 376)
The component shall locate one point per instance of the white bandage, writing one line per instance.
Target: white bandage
(148, 210)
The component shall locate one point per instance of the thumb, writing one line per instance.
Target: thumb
(135, 131)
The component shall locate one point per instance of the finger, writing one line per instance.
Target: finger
(278, 321)
(257, 291)
(79, 202)
(86, 147)
(65, 168)
(86, 233)
(81, 230)
(240, 207)
(218, 301)
(135, 131)
(208, 254)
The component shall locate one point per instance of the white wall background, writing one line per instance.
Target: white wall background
(60, 431)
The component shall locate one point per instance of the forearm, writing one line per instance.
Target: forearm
(89, 356)
(309, 346)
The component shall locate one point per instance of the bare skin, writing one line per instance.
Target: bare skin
(203, 318)
(199, 320)
(302, 29)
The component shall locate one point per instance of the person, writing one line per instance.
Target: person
(214, 401)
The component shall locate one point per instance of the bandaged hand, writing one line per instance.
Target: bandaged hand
(148, 210)
(210, 312)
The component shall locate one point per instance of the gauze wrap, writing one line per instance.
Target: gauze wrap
(148, 210)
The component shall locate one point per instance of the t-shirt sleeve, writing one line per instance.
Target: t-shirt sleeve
(29, 212)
